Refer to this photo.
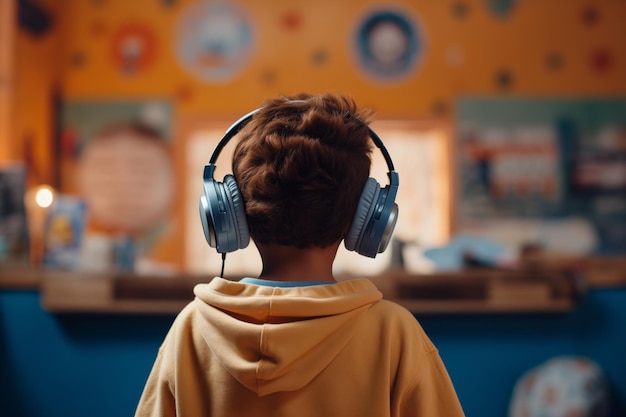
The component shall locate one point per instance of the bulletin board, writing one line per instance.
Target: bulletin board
(547, 171)
(117, 155)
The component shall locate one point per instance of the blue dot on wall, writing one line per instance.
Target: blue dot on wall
(502, 8)
(388, 44)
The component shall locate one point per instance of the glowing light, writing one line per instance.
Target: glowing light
(44, 196)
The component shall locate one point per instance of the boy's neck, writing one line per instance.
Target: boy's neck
(286, 263)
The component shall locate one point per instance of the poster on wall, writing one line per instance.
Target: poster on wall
(543, 171)
(115, 155)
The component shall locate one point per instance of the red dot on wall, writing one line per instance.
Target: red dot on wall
(184, 92)
(291, 20)
(601, 60)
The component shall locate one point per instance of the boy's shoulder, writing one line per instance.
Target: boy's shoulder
(400, 322)
(394, 309)
(392, 312)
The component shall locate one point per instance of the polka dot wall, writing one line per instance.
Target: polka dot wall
(444, 49)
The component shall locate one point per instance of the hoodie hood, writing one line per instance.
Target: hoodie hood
(275, 339)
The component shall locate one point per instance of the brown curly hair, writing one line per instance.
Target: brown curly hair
(301, 163)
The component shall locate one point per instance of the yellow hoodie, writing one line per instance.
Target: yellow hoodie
(336, 350)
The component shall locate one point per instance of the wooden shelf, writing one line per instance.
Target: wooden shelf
(99, 293)
(467, 292)
(19, 277)
(483, 307)
(485, 291)
(471, 292)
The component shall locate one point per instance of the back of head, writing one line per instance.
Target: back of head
(301, 164)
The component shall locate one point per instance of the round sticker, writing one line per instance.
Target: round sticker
(388, 44)
(134, 48)
(214, 40)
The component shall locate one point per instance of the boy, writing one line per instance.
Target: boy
(294, 341)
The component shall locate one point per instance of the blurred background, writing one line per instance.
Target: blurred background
(505, 119)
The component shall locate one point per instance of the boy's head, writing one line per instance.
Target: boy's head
(301, 164)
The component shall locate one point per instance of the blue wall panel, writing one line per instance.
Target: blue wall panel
(96, 365)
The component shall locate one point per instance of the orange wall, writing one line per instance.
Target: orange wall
(462, 56)
(466, 45)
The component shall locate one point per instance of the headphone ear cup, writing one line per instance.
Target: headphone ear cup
(238, 211)
(362, 214)
(207, 222)
(223, 216)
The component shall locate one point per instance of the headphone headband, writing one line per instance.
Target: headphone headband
(244, 120)
(231, 132)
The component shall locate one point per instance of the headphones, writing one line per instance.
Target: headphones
(222, 209)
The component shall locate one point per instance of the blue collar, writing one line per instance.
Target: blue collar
(284, 284)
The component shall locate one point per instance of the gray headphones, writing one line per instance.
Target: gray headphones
(223, 216)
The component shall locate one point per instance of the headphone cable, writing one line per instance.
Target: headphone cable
(223, 262)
